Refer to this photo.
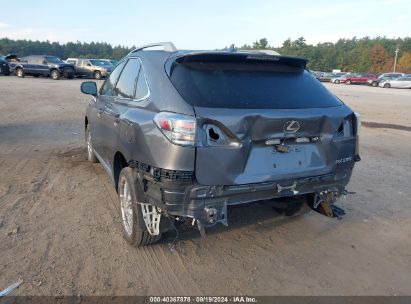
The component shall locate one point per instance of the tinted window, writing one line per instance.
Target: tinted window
(110, 83)
(127, 82)
(249, 86)
(142, 88)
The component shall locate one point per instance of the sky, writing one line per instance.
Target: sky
(206, 24)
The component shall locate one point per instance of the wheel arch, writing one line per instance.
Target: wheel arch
(119, 162)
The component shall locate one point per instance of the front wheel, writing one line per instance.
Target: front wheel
(97, 75)
(55, 75)
(141, 221)
(374, 84)
(348, 82)
(90, 152)
(337, 82)
(20, 72)
(387, 86)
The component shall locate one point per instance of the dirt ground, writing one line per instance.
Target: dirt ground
(60, 228)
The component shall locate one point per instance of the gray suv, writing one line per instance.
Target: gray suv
(185, 134)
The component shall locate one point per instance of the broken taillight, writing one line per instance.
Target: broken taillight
(178, 128)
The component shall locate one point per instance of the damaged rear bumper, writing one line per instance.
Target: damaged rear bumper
(208, 204)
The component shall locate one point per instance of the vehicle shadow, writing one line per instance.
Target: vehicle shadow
(240, 216)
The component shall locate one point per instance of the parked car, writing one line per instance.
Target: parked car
(42, 65)
(403, 82)
(4, 66)
(326, 77)
(358, 78)
(96, 68)
(391, 75)
(337, 77)
(185, 134)
(383, 77)
(113, 62)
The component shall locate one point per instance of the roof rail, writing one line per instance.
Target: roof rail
(167, 46)
(263, 51)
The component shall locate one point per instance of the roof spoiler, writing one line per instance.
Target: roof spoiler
(167, 47)
(295, 62)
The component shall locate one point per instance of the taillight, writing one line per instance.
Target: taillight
(179, 129)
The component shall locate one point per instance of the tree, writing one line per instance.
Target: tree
(379, 58)
(404, 64)
(261, 44)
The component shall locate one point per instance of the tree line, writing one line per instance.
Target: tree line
(71, 49)
(374, 55)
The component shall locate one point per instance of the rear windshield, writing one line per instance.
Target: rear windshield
(263, 85)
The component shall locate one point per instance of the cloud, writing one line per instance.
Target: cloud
(40, 33)
(4, 25)
(401, 18)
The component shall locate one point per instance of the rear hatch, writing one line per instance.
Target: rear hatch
(261, 118)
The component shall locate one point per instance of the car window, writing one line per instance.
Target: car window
(110, 83)
(36, 60)
(142, 87)
(127, 82)
(249, 86)
(79, 62)
(53, 59)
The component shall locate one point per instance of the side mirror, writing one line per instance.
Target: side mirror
(88, 64)
(44, 62)
(89, 87)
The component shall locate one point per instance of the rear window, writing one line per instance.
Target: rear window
(262, 85)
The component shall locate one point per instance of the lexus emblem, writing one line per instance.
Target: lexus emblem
(291, 126)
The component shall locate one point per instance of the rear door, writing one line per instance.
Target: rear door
(98, 124)
(79, 67)
(111, 116)
(262, 119)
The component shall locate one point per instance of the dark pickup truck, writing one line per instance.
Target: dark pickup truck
(42, 65)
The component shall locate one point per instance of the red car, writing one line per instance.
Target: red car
(358, 78)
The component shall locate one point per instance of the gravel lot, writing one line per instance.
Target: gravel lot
(60, 228)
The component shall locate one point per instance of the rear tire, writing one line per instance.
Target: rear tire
(20, 73)
(55, 75)
(387, 86)
(132, 199)
(337, 82)
(90, 152)
(374, 84)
